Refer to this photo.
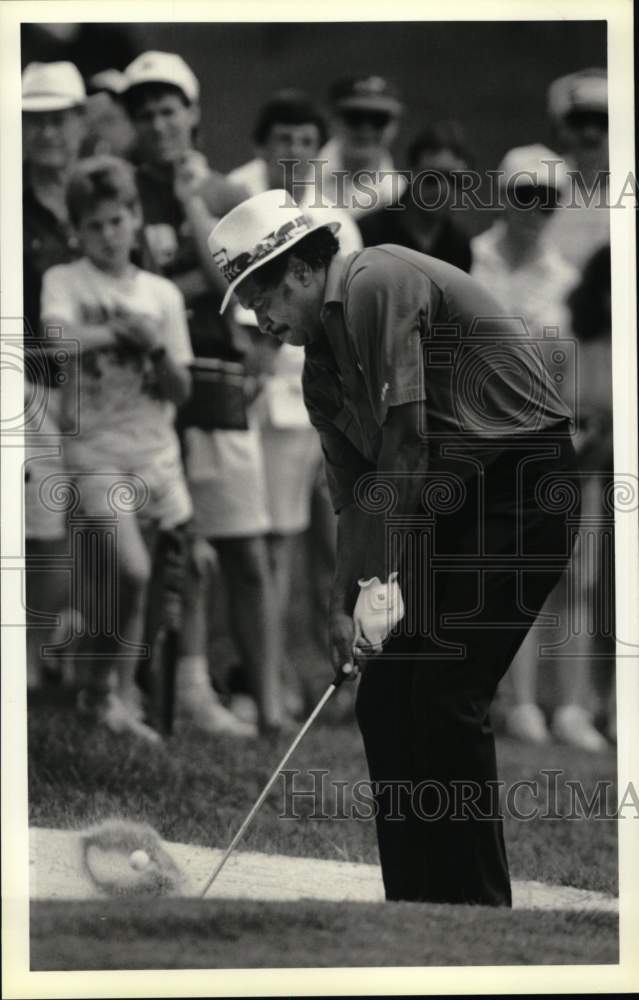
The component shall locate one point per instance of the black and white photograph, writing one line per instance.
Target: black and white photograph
(320, 549)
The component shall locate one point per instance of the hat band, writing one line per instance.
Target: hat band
(232, 269)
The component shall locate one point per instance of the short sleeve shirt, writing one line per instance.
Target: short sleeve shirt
(401, 328)
(116, 393)
(170, 249)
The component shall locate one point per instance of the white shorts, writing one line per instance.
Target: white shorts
(107, 484)
(225, 474)
(292, 458)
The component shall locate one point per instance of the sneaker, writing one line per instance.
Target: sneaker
(209, 716)
(527, 724)
(243, 707)
(572, 724)
(109, 711)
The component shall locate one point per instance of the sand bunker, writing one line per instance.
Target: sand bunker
(56, 872)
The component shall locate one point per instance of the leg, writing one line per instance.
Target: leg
(425, 716)
(116, 570)
(47, 589)
(254, 620)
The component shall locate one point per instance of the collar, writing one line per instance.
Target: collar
(334, 288)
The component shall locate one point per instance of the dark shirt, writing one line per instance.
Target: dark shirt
(401, 327)
(388, 226)
(46, 241)
(169, 249)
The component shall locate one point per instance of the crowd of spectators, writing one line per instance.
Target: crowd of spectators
(183, 433)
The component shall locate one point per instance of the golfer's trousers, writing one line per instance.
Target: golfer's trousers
(479, 560)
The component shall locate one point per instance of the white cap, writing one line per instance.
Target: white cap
(533, 165)
(162, 67)
(111, 80)
(586, 90)
(52, 86)
(255, 232)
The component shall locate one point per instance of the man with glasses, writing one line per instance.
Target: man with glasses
(423, 220)
(519, 263)
(359, 173)
(578, 109)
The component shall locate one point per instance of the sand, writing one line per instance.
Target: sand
(57, 872)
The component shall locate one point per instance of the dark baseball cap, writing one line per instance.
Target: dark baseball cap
(365, 93)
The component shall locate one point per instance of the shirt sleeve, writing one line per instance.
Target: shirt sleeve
(58, 303)
(386, 313)
(175, 328)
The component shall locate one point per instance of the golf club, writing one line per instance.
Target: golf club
(346, 671)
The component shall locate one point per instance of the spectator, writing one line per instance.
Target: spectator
(366, 114)
(578, 108)
(290, 127)
(131, 330)
(289, 133)
(518, 263)
(53, 99)
(53, 126)
(589, 304)
(422, 219)
(109, 129)
(181, 198)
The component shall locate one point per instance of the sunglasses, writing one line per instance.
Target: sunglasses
(353, 118)
(587, 119)
(530, 196)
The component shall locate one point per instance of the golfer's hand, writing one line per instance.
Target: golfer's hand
(378, 609)
(341, 637)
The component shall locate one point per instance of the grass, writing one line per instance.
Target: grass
(233, 934)
(198, 790)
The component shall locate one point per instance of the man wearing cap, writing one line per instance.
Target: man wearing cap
(181, 197)
(519, 263)
(578, 110)
(53, 99)
(358, 171)
(446, 449)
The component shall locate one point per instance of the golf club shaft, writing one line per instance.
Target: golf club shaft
(240, 833)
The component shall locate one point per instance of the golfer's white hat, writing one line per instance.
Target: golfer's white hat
(586, 90)
(162, 67)
(52, 86)
(255, 232)
(534, 165)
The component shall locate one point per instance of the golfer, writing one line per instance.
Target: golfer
(451, 469)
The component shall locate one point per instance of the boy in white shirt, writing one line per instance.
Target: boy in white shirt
(134, 350)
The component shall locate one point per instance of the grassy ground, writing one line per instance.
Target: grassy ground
(230, 935)
(198, 790)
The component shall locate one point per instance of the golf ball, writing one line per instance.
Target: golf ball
(139, 860)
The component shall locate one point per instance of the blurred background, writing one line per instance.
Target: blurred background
(491, 76)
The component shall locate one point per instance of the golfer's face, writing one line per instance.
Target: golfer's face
(282, 312)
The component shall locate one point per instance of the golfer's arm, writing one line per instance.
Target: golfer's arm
(361, 536)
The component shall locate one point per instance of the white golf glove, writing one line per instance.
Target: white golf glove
(378, 609)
